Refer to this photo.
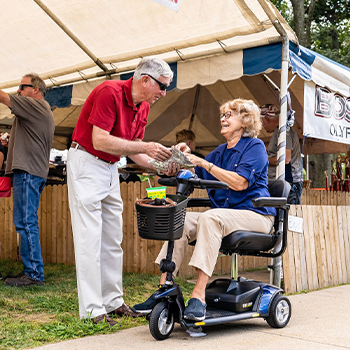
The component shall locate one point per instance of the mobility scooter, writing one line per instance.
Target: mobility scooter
(227, 300)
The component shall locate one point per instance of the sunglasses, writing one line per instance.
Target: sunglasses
(22, 86)
(162, 86)
(226, 115)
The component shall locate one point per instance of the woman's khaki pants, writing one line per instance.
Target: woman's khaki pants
(208, 229)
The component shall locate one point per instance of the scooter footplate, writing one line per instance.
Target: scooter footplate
(213, 313)
(218, 316)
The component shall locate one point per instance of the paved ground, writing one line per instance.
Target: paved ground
(320, 320)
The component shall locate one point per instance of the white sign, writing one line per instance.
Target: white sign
(172, 4)
(326, 114)
(295, 224)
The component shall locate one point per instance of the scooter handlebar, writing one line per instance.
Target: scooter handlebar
(197, 183)
(168, 181)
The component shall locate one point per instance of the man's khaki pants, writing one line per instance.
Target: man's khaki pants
(96, 211)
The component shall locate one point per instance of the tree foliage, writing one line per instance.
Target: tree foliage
(322, 25)
(330, 32)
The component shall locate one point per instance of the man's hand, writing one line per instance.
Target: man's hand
(183, 147)
(173, 169)
(4, 137)
(157, 151)
(5, 99)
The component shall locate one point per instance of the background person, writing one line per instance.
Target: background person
(294, 165)
(2, 156)
(28, 162)
(242, 164)
(112, 123)
(189, 138)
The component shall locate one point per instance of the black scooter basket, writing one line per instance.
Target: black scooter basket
(162, 223)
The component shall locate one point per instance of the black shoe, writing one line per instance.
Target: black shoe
(15, 276)
(104, 319)
(125, 310)
(195, 310)
(147, 306)
(23, 281)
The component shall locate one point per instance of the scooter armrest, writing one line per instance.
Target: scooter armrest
(276, 202)
(198, 202)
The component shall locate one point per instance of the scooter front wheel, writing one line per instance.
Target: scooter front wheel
(280, 312)
(160, 325)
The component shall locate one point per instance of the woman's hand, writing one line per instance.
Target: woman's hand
(235, 182)
(196, 160)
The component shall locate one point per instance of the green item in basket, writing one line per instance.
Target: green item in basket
(156, 192)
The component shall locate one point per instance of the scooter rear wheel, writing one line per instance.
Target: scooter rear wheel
(280, 312)
(158, 325)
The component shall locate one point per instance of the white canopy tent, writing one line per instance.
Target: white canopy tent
(66, 40)
(206, 42)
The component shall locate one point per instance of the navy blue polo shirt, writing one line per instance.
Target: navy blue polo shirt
(248, 159)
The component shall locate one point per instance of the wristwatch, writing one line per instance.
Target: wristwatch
(210, 167)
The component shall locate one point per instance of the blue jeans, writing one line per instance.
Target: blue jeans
(295, 193)
(26, 196)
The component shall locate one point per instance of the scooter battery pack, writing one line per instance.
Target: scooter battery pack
(231, 295)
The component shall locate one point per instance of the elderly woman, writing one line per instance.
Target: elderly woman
(241, 163)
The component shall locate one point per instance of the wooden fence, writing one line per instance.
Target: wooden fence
(321, 197)
(320, 256)
(57, 239)
(54, 224)
(317, 258)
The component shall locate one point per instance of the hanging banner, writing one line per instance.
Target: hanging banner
(326, 114)
(172, 4)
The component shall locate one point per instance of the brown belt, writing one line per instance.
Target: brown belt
(81, 148)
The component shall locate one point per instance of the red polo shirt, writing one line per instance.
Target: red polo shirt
(111, 108)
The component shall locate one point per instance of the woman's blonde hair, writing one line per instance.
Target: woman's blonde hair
(249, 113)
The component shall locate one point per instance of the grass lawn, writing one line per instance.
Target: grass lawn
(38, 315)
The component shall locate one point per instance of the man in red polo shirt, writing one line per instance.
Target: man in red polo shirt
(112, 123)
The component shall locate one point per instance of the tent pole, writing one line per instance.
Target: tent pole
(281, 148)
(276, 272)
(194, 109)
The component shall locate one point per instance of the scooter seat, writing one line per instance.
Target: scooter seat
(247, 241)
(244, 242)
(257, 243)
